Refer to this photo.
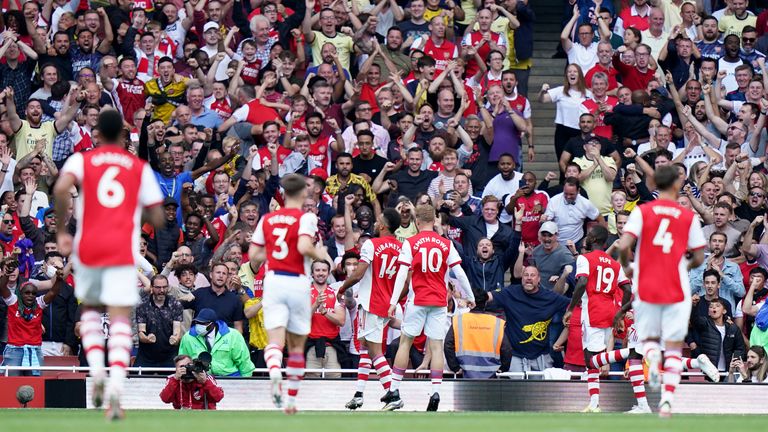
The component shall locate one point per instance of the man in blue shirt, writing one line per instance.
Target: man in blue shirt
(529, 309)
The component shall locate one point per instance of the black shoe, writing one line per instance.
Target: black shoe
(389, 395)
(434, 402)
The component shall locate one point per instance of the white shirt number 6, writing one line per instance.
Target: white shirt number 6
(109, 191)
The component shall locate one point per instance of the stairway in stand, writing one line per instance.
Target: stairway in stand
(545, 69)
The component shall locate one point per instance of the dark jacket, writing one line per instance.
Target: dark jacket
(165, 241)
(524, 33)
(59, 318)
(489, 275)
(709, 342)
(473, 229)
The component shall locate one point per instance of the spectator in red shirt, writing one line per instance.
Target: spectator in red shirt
(638, 76)
(197, 392)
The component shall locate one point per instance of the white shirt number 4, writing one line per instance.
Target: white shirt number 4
(109, 191)
(663, 237)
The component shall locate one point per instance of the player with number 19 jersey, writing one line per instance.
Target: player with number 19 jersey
(278, 232)
(604, 277)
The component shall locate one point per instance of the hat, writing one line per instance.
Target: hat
(548, 227)
(48, 212)
(210, 25)
(319, 172)
(205, 316)
(170, 201)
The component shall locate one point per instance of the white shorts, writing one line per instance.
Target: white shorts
(107, 286)
(431, 319)
(595, 339)
(371, 326)
(668, 322)
(287, 303)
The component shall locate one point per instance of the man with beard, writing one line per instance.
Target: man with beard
(85, 54)
(731, 287)
(529, 309)
(754, 206)
(710, 46)
(406, 182)
(201, 246)
(533, 204)
(28, 132)
(344, 177)
(392, 51)
(550, 257)
(634, 187)
(128, 91)
(15, 73)
(597, 174)
(61, 58)
(574, 148)
(505, 183)
(324, 347)
(158, 319)
(171, 184)
(516, 100)
(487, 267)
(729, 62)
(226, 303)
(167, 90)
(721, 215)
(422, 131)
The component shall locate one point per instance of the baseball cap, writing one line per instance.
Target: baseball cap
(210, 25)
(548, 227)
(319, 172)
(205, 316)
(170, 201)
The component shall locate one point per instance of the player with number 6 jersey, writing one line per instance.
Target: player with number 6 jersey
(428, 256)
(284, 238)
(114, 187)
(668, 241)
(376, 274)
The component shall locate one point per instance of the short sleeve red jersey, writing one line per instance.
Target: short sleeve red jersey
(534, 206)
(321, 326)
(320, 152)
(604, 276)
(114, 188)
(593, 107)
(130, 96)
(279, 233)
(442, 54)
(665, 232)
(250, 73)
(20, 330)
(379, 280)
(429, 256)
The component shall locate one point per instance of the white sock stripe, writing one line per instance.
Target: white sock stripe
(291, 371)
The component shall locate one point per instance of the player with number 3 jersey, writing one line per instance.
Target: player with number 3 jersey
(114, 187)
(428, 256)
(376, 274)
(284, 238)
(668, 241)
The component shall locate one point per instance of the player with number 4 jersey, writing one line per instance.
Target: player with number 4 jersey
(284, 238)
(667, 241)
(376, 274)
(114, 187)
(428, 256)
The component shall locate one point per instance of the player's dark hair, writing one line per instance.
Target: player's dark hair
(391, 218)
(665, 177)
(293, 185)
(598, 237)
(711, 272)
(110, 125)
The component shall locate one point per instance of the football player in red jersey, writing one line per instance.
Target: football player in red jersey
(114, 187)
(284, 238)
(429, 256)
(376, 274)
(598, 278)
(668, 241)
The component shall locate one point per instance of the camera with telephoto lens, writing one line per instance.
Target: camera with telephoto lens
(201, 364)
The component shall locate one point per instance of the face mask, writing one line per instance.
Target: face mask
(50, 271)
(201, 329)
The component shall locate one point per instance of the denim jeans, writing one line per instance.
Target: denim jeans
(14, 356)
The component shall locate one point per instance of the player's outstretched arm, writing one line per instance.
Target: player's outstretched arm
(578, 291)
(697, 258)
(256, 255)
(306, 247)
(466, 287)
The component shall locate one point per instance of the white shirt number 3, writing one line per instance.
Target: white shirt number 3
(109, 191)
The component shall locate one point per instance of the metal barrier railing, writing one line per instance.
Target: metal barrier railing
(140, 371)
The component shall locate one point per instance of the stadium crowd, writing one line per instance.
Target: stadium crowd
(385, 104)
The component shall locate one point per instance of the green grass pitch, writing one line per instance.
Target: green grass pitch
(60, 420)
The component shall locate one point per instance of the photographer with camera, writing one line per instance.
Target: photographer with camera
(209, 335)
(191, 387)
